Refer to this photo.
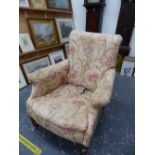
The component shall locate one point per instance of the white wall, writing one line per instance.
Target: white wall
(79, 14)
(110, 16)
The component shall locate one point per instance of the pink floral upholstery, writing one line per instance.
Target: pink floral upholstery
(90, 55)
(66, 97)
(49, 78)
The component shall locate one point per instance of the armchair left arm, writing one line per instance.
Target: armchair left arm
(47, 79)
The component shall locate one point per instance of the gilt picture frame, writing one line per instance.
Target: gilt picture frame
(57, 56)
(44, 32)
(65, 26)
(36, 65)
(25, 43)
(40, 4)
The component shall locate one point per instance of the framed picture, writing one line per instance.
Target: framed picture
(56, 56)
(59, 4)
(24, 3)
(65, 26)
(25, 43)
(22, 81)
(128, 66)
(43, 32)
(35, 65)
(38, 4)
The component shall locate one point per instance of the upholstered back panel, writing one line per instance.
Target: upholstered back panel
(90, 54)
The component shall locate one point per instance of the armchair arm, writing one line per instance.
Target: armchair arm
(102, 94)
(48, 79)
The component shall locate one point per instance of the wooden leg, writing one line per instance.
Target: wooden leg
(84, 151)
(34, 122)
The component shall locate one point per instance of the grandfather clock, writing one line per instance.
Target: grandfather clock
(94, 14)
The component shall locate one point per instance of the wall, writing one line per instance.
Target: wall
(109, 22)
(79, 14)
(110, 16)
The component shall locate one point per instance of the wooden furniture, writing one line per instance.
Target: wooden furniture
(94, 15)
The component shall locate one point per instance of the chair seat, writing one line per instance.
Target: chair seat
(65, 108)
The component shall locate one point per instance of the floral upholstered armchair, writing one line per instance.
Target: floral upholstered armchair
(67, 97)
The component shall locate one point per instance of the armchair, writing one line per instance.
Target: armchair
(67, 97)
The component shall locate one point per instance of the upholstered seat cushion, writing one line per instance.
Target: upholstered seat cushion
(63, 107)
(67, 111)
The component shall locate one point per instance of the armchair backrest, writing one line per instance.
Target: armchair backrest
(90, 55)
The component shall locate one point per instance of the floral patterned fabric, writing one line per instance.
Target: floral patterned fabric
(90, 55)
(61, 111)
(67, 97)
(102, 94)
(49, 78)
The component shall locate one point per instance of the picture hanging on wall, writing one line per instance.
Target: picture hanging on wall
(22, 81)
(25, 43)
(128, 66)
(65, 26)
(23, 3)
(56, 56)
(38, 4)
(58, 4)
(36, 65)
(44, 32)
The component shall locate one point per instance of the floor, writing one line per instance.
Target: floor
(114, 135)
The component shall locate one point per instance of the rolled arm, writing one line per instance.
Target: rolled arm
(102, 94)
(47, 79)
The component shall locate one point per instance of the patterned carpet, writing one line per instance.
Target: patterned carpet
(114, 135)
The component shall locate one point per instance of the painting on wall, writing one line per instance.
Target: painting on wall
(128, 66)
(65, 26)
(38, 3)
(57, 56)
(23, 3)
(58, 4)
(36, 65)
(25, 43)
(22, 81)
(44, 32)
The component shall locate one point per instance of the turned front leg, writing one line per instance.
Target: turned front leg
(84, 151)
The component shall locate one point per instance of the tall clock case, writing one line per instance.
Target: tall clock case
(94, 14)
